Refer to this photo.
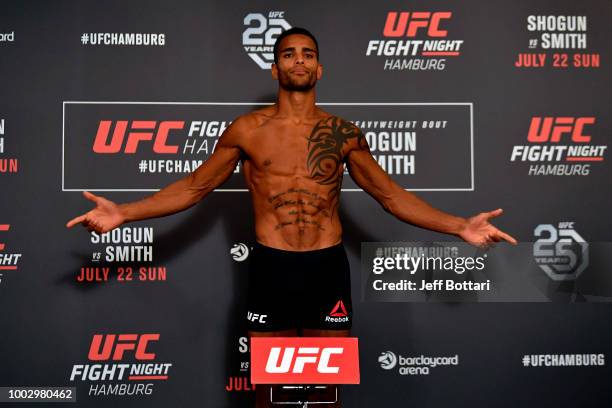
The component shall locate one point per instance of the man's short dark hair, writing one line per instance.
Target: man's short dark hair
(291, 31)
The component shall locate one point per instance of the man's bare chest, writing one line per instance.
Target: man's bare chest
(316, 149)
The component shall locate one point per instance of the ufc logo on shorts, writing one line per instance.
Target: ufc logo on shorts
(550, 129)
(305, 355)
(256, 317)
(304, 360)
(140, 131)
(408, 23)
(102, 346)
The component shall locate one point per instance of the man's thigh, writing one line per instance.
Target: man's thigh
(281, 333)
(325, 333)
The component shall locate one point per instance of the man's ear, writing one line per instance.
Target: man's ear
(319, 71)
(274, 70)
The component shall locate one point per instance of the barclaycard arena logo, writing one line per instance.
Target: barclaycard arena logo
(260, 35)
(560, 251)
(121, 365)
(560, 146)
(387, 360)
(8, 261)
(239, 252)
(7, 37)
(420, 365)
(415, 40)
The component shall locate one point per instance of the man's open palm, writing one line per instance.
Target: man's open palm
(478, 231)
(105, 217)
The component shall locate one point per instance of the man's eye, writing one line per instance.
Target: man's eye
(287, 55)
(309, 56)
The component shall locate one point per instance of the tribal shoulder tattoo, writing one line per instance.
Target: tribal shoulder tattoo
(324, 160)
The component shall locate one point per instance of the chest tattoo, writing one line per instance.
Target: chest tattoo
(324, 160)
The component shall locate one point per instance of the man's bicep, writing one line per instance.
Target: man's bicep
(220, 165)
(368, 175)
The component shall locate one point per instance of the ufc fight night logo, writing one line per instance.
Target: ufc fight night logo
(418, 34)
(260, 35)
(560, 146)
(560, 251)
(121, 365)
(304, 360)
(8, 261)
(138, 146)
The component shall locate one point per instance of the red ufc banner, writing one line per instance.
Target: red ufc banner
(304, 360)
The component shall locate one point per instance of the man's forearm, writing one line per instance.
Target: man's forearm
(411, 209)
(173, 198)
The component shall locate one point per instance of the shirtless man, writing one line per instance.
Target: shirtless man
(293, 157)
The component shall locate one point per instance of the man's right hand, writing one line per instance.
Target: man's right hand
(105, 217)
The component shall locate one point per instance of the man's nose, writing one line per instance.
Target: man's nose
(299, 59)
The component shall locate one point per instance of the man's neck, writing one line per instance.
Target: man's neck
(296, 105)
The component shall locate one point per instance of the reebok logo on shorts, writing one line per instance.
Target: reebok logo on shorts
(338, 314)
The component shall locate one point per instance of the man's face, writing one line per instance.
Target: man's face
(298, 67)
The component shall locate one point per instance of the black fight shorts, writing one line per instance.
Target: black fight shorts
(299, 290)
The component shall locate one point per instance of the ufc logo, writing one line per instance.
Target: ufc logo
(123, 343)
(551, 129)
(305, 355)
(255, 317)
(408, 24)
(4, 227)
(140, 131)
(304, 360)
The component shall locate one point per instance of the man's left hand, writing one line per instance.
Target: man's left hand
(479, 232)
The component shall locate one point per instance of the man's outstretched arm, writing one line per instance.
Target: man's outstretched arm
(173, 198)
(409, 208)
